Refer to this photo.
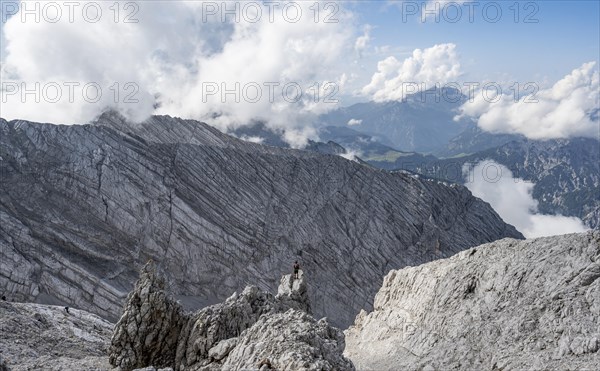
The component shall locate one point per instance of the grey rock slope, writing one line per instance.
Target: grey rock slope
(250, 331)
(507, 305)
(41, 337)
(82, 208)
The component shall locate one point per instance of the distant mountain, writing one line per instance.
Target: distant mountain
(370, 148)
(566, 172)
(473, 140)
(83, 207)
(420, 123)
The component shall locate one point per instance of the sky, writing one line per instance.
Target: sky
(565, 36)
(287, 62)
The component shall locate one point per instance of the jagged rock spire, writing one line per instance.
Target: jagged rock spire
(235, 334)
(148, 330)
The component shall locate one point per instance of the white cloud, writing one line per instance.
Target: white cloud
(252, 139)
(351, 155)
(362, 41)
(170, 55)
(394, 80)
(354, 122)
(561, 111)
(512, 199)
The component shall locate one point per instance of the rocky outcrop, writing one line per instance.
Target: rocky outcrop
(82, 208)
(148, 331)
(42, 337)
(210, 326)
(294, 292)
(251, 330)
(289, 341)
(508, 305)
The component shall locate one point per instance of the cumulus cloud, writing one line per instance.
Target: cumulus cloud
(425, 68)
(178, 59)
(564, 110)
(354, 122)
(513, 201)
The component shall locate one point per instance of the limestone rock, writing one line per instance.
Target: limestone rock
(290, 341)
(211, 325)
(148, 331)
(43, 337)
(236, 334)
(507, 305)
(222, 349)
(83, 207)
(294, 292)
(3, 366)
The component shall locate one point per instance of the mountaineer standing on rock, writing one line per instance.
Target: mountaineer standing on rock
(296, 270)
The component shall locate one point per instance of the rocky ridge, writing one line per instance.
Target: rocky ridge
(507, 305)
(84, 207)
(250, 330)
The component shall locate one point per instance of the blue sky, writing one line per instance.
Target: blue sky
(175, 50)
(565, 36)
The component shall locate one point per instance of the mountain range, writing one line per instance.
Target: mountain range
(84, 207)
(419, 134)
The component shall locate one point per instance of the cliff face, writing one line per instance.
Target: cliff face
(507, 305)
(83, 207)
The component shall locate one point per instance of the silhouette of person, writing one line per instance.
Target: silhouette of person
(296, 269)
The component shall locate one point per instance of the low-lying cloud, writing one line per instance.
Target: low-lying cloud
(512, 199)
(566, 109)
(178, 58)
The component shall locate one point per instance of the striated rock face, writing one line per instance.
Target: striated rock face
(82, 208)
(248, 331)
(508, 305)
